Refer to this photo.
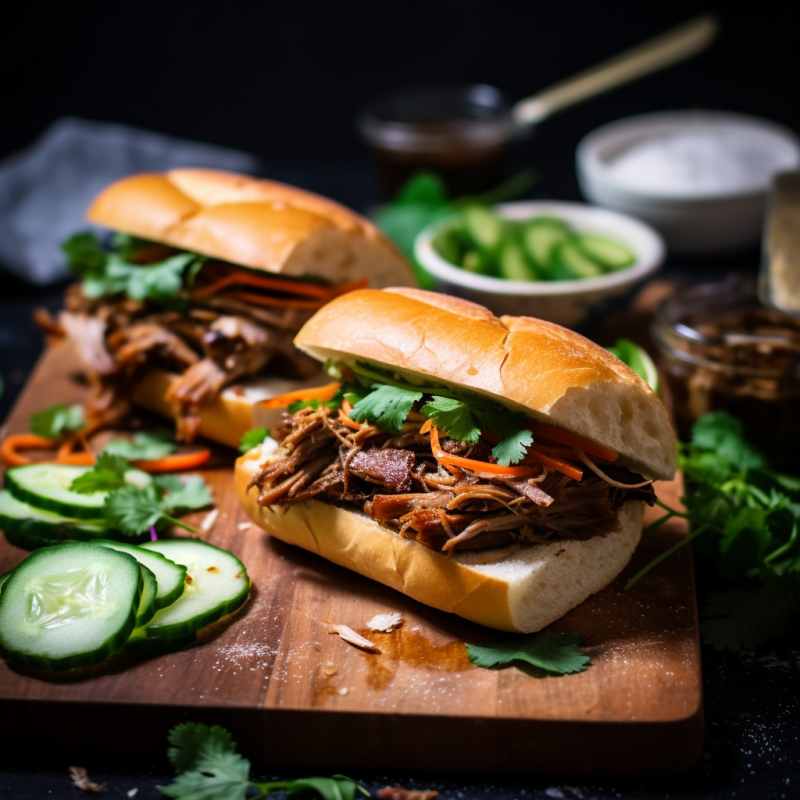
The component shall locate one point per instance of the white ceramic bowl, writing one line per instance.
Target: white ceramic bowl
(705, 221)
(568, 303)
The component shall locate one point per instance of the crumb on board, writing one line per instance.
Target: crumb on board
(80, 780)
(132, 792)
(243, 526)
(351, 637)
(343, 691)
(385, 623)
(208, 523)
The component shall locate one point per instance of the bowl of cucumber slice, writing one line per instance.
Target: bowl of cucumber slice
(557, 261)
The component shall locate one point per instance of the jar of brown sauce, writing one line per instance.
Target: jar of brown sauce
(721, 350)
(460, 132)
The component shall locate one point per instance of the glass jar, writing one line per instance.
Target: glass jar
(720, 349)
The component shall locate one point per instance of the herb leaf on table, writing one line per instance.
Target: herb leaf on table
(57, 420)
(556, 655)
(208, 767)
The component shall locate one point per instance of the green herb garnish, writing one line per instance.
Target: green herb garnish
(386, 406)
(208, 767)
(554, 655)
(744, 520)
(252, 438)
(145, 445)
(57, 420)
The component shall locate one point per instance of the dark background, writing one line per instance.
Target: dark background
(284, 81)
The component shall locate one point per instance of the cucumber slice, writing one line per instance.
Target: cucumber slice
(483, 228)
(140, 644)
(171, 577)
(513, 264)
(540, 238)
(570, 263)
(216, 584)
(147, 602)
(69, 606)
(4, 577)
(30, 527)
(46, 486)
(605, 252)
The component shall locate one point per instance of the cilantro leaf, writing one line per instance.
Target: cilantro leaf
(739, 619)
(188, 495)
(107, 474)
(558, 655)
(159, 281)
(453, 418)
(57, 420)
(513, 448)
(134, 509)
(145, 445)
(252, 438)
(127, 245)
(84, 253)
(208, 767)
(723, 434)
(511, 428)
(386, 407)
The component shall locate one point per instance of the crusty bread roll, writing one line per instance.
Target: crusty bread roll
(547, 371)
(253, 223)
(525, 590)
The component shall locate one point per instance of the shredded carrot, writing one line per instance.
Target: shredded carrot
(269, 282)
(427, 425)
(569, 439)
(556, 464)
(9, 449)
(278, 302)
(316, 393)
(175, 463)
(66, 453)
(477, 466)
(351, 423)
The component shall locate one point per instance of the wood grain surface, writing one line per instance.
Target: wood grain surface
(292, 693)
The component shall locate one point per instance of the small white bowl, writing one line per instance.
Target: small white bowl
(568, 303)
(705, 221)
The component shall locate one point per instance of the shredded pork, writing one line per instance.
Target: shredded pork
(396, 481)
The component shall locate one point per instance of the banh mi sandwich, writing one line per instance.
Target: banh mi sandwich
(192, 310)
(496, 468)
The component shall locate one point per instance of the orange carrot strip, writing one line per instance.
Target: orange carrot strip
(279, 302)
(563, 437)
(477, 466)
(175, 463)
(427, 425)
(351, 423)
(9, 449)
(268, 282)
(554, 463)
(317, 393)
(66, 453)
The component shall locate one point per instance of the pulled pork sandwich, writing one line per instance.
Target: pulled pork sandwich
(192, 310)
(494, 468)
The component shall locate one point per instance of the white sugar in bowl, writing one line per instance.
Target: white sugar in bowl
(701, 178)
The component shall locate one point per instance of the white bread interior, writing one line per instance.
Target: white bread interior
(254, 223)
(523, 592)
(550, 373)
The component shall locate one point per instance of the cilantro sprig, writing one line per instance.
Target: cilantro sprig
(131, 507)
(57, 420)
(208, 766)
(112, 272)
(744, 519)
(544, 651)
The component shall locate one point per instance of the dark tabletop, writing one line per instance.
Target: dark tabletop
(752, 749)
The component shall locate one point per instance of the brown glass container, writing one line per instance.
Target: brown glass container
(721, 350)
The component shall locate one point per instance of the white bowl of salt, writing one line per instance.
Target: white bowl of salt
(700, 177)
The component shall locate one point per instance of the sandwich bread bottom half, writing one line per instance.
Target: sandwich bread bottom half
(523, 591)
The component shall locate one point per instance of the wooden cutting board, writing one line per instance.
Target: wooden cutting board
(295, 694)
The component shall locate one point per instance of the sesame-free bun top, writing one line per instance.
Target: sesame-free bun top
(253, 223)
(550, 373)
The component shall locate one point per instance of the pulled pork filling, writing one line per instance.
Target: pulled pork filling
(398, 482)
(211, 343)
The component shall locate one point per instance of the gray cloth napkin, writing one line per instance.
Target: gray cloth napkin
(46, 189)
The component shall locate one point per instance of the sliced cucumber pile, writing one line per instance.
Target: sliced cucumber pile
(75, 604)
(38, 508)
(539, 249)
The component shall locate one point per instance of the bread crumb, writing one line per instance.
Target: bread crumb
(343, 691)
(331, 670)
(133, 792)
(351, 637)
(243, 526)
(385, 623)
(208, 523)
